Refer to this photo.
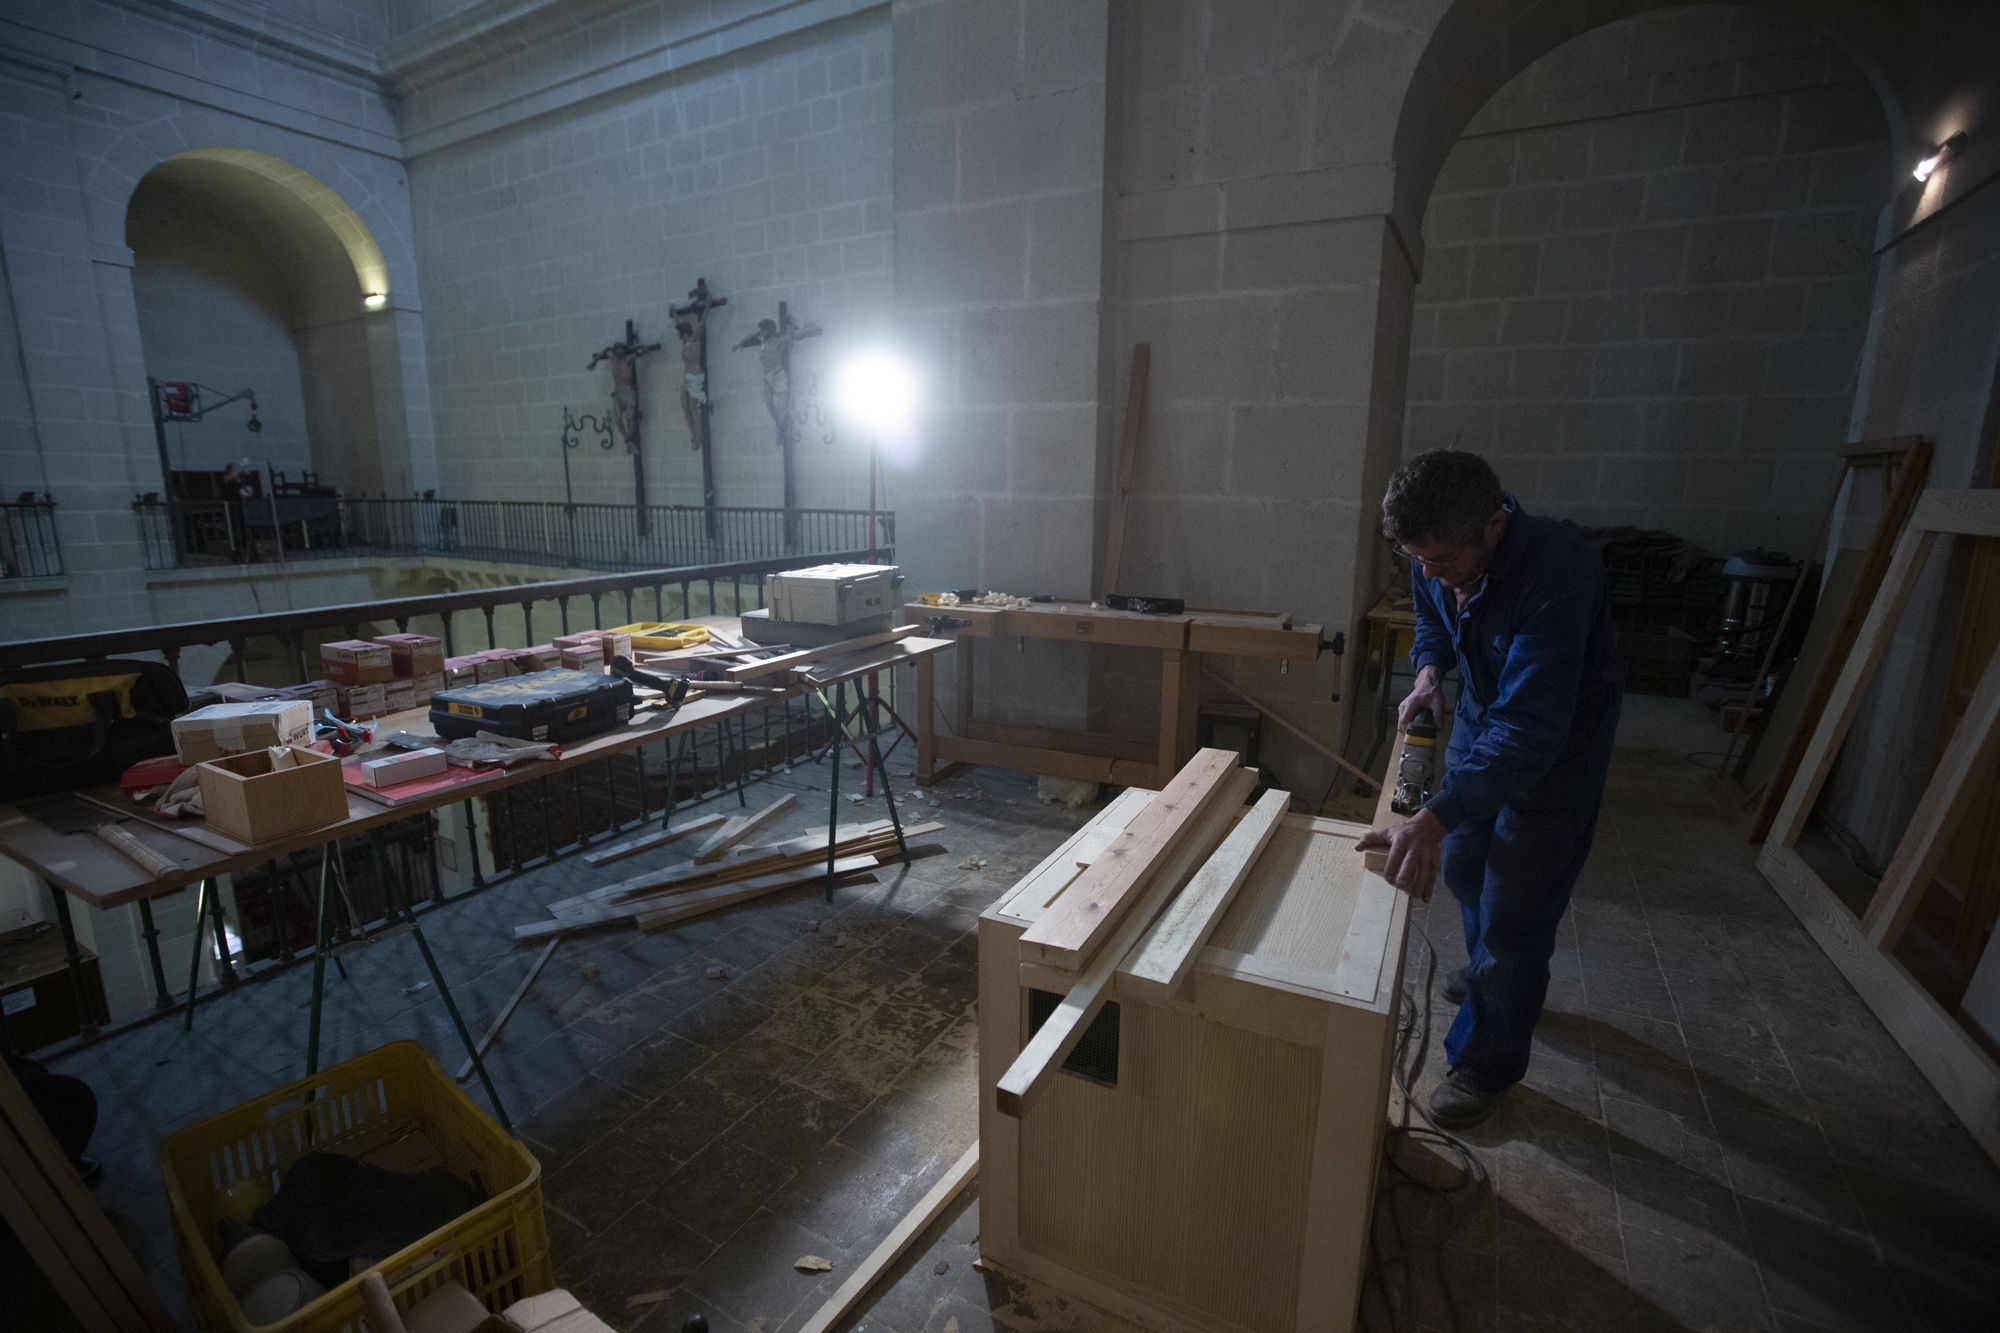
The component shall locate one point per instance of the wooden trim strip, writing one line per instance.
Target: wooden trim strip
(883, 1257)
(741, 827)
(649, 841)
(786, 661)
(1166, 953)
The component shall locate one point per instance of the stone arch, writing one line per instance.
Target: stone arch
(1477, 46)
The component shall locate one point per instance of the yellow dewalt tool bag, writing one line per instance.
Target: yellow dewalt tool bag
(78, 724)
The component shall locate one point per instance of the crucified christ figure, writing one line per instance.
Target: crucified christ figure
(692, 326)
(774, 339)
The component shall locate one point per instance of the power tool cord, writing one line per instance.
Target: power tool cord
(1468, 1180)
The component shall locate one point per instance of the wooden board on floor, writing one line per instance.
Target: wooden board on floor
(1962, 1070)
(883, 1257)
(741, 827)
(647, 842)
(1090, 909)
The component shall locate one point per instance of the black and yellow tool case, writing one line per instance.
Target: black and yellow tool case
(540, 706)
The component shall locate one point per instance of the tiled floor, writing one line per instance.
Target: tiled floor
(1715, 1133)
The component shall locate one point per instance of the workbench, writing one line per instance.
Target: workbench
(1206, 1163)
(53, 837)
(1181, 641)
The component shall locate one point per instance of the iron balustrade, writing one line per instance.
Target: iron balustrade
(527, 827)
(28, 546)
(178, 534)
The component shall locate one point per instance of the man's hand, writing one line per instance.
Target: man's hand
(1428, 693)
(1413, 853)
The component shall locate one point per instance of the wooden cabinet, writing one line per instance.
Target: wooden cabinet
(1205, 1164)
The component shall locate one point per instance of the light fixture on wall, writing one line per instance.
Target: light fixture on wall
(374, 300)
(1944, 153)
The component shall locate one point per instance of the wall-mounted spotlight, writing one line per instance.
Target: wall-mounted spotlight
(1944, 153)
(374, 300)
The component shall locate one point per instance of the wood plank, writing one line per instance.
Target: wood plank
(37, 1168)
(1897, 515)
(883, 1257)
(507, 1010)
(1094, 743)
(703, 901)
(1161, 880)
(1969, 755)
(741, 827)
(1166, 953)
(633, 846)
(1076, 923)
(1964, 513)
(1883, 448)
(786, 661)
(847, 666)
(1950, 1057)
(1128, 465)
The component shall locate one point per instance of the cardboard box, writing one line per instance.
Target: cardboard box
(402, 766)
(243, 796)
(582, 657)
(541, 657)
(461, 670)
(321, 694)
(38, 1003)
(616, 644)
(220, 729)
(399, 695)
(236, 693)
(360, 702)
(356, 662)
(412, 655)
(426, 685)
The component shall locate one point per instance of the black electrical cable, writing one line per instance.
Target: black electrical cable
(1413, 1028)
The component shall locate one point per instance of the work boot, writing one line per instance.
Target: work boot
(1453, 985)
(1459, 1103)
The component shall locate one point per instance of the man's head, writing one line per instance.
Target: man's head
(1443, 511)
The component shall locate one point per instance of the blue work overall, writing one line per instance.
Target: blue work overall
(1524, 771)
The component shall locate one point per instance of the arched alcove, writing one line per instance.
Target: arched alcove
(250, 273)
(1648, 264)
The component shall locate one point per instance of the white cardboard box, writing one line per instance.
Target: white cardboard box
(404, 766)
(831, 594)
(220, 729)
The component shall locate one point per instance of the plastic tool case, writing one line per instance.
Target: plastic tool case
(540, 706)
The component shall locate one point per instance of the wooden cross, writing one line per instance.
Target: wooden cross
(624, 358)
(691, 323)
(773, 341)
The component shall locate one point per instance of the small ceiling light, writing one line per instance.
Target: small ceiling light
(1945, 152)
(375, 300)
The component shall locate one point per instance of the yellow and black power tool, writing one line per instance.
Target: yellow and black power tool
(1417, 769)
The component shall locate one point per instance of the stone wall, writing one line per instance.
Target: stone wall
(763, 168)
(1647, 277)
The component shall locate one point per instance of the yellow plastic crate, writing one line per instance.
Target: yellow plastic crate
(659, 636)
(229, 1164)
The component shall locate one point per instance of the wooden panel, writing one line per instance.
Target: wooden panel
(1166, 953)
(1050, 738)
(1298, 902)
(1252, 634)
(1077, 622)
(1086, 914)
(1220, 1231)
(1128, 463)
(1038, 888)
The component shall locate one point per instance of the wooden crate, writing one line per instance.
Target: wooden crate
(1222, 1177)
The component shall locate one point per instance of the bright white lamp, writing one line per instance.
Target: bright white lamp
(876, 391)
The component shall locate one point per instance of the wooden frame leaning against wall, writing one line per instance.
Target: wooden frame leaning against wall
(1863, 947)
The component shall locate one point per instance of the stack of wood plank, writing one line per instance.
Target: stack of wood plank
(1142, 910)
(724, 871)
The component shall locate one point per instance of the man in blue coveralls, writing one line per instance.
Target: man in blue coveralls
(1520, 603)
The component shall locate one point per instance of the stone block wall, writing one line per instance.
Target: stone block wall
(1647, 278)
(764, 169)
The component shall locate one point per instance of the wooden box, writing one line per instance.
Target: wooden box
(243, 796)
(39, 1004)
(1206, 1164)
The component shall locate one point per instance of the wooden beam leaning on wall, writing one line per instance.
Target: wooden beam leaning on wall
(1896, 517)
(1057, 1037)
(1964, 1073)
(1091, 907)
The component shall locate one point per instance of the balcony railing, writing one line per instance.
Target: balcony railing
(180, 534)
(28, 548)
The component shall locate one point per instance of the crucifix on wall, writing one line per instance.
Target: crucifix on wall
(773, 341)
(624, 358)
(691, 323)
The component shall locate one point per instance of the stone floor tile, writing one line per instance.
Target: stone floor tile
(1821, 1272)
(722, 1186)
(1668, 1201)
(751, 1278)
(1697, 1285)
(1571, 1207)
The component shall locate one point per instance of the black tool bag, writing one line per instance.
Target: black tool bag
(83, 723)
(553, 706)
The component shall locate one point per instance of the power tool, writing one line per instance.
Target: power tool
(1417, 769)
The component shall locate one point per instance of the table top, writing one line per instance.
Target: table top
(1393, 609)
(1197, 629)
(1311, 918)
(55, 840)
